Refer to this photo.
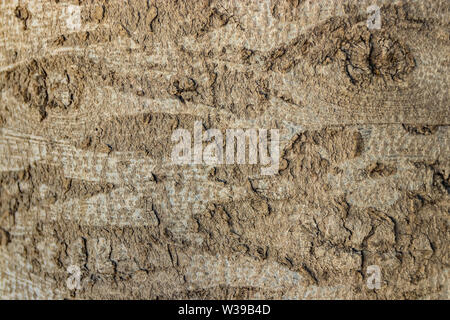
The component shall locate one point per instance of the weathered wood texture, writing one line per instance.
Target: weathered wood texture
(86, 115)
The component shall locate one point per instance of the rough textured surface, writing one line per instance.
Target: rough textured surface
(86, 179)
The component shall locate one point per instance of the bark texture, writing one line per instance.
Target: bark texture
(86, 178)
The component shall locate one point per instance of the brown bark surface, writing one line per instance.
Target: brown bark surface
(86, 178)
